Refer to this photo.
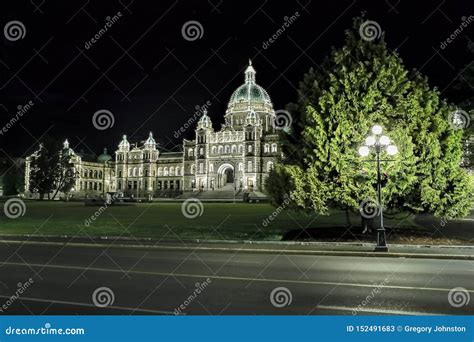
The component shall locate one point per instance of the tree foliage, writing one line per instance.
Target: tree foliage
(51, 169)
(357, 86)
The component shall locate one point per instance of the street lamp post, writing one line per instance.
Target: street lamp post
(379, 143)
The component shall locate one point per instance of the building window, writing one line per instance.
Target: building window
(193, 169)
(270, 166)
(171, 171)
(190, 152)
(214, 149)
(227, 149)
(234, 149)
(249, 166)
(211, 167)
(201, 168)
(241, 167)
(177, 171)
(241, 148)
(274, 147)
(146, 173)
(266, 148)
(135, 172)
(249, 149)
(130, 172)
(165, 171)
(220, 149)
(160, 171)
(201, 151)
(120, 173)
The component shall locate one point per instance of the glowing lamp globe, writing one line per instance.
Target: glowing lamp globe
(370, 141)
(364, 151)
(384, 140)
(377, 129)
(392, 150)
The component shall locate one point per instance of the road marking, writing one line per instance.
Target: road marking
(253, 250)
(54, 301)
(376, 311)
(188, 275)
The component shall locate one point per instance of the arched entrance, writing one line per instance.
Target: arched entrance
(226, 176)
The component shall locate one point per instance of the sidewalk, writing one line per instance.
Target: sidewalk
(299, 248)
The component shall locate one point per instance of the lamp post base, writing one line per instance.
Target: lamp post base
(381, 249)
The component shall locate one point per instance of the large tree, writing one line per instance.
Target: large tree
(358, 85)
(51, 169)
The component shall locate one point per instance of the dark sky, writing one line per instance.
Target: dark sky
(144, 72)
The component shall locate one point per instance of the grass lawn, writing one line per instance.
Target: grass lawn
(165, 221)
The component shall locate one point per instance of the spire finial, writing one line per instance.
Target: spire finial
(124, 137)
(151, 134)
(250, 61)
(66, 144)
(204, 112)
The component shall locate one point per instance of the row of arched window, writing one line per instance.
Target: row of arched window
(233, 149)
(171, 171)
(240, 167)
(92, 174)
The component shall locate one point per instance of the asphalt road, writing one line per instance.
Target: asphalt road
(159, 282)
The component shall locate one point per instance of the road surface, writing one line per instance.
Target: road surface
(63, 281)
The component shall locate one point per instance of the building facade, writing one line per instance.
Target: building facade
(238, 156)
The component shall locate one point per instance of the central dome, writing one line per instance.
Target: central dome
(249, 92)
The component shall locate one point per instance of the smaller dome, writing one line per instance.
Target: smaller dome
(150, 140)
(104, 157)
(205, 121)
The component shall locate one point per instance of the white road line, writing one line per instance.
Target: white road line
(375, 311)
(54, 301)
(268, 280)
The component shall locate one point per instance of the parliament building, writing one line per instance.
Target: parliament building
(238, 157)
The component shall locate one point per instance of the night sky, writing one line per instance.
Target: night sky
(144, 72)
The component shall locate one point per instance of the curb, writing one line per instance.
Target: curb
(249, 250)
